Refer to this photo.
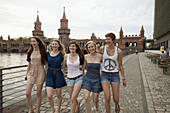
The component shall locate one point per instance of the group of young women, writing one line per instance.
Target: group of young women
(109, 56)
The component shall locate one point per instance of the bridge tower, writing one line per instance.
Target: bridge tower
(37, 32)
(142, 32)
(64, 31)
(121, 33)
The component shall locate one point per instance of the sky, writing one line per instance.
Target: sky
(85, 17)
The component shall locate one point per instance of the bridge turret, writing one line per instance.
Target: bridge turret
(1, 38)
(121, 33)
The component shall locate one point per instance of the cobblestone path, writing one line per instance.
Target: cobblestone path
(147, 90)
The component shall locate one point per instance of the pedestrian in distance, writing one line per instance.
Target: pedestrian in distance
(55, 77)
(74, 61)
(136, 51)
(111, 64)
(91, 81)
(163, 55)
(37, 58)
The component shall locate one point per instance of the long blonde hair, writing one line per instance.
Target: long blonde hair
(60, 48)
(91, 42)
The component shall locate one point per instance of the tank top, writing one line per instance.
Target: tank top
(73, 68)
(110, 63)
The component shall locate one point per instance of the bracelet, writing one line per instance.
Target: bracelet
(124, 79)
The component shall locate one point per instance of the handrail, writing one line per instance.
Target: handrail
(14, 78)
(12, 67)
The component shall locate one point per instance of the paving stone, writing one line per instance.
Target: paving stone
(146, 85)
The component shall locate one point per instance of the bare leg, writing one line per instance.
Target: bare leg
(76, 90)
(70, 93)
(29, 98)
(39, 97)
(59, 98)
(50, 98)
(87, 100)
(70, 89)
(106, 89)
(115, 91)
(96, 100)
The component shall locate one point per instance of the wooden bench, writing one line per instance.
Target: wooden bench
(165, 64)
(154, 58)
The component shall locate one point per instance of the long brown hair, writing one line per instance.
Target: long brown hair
(78, 51)
(43, 51)
(60, 48)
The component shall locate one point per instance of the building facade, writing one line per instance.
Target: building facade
(162, 24)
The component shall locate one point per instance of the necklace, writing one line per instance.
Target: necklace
(73, 55)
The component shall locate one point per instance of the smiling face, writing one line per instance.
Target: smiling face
(34, 43)
(109, 41)
(55, 45)
(91, 48)
(72, 48)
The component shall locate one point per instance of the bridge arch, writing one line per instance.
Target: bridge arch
(126, 44)
(130, 44)
(135, 44)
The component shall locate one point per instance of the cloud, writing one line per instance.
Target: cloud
(85, 17)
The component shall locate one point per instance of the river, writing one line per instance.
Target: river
(13, 59)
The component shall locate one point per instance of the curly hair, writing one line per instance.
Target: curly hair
(43, 51)
(78, 51)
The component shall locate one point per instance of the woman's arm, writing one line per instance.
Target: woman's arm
(63, 65)
(28, 68)
(121, 67)
(101, 50)
(84, 65)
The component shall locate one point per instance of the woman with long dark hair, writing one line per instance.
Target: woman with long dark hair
(37, 58)
(55, 77)
(74, 60)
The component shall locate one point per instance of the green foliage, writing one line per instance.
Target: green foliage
(43, 38)
(18, 39)
(26, 38)
(12, 39)
(50, 38)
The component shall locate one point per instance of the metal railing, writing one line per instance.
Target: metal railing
(12, 85)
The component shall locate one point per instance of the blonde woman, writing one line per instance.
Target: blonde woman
(55, 77)
(91, 81)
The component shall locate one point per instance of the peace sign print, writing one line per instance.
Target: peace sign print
(110, 64)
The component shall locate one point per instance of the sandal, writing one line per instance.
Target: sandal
(97, 107)
(117, 108)
(78, 107)
(31, 111)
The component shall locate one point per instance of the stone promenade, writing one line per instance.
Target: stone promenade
(147, 91)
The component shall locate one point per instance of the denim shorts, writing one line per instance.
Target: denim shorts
(113, 78)
(71, 83)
